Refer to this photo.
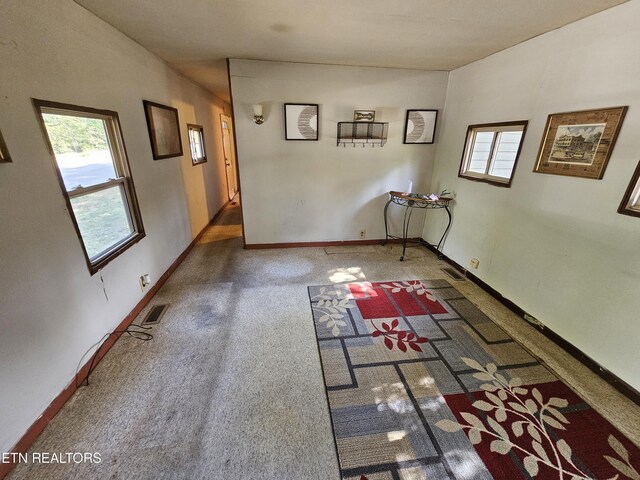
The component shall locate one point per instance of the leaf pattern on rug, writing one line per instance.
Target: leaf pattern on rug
(535, 416)
(332, 305)
(410, 286)
(403, 338)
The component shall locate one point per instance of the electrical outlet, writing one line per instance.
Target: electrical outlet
(144, 280)
(474, 263)
(533, 320)
(363, 233)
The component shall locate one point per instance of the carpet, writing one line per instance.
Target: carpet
(422, 385)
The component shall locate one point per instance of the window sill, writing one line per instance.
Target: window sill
(491, 181)
(100, 263)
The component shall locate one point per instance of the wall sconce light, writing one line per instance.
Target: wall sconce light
(257, 114)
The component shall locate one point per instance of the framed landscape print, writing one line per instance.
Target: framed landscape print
(164, 130)
(4, 153)
(301, 121)
(420, 126)
(579, 144)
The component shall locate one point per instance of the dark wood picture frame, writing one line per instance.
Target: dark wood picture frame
(164, 130)
(195, 159)
(302, 114)
(4, 151)
(564, 149)
(632, 190)
(423, 128)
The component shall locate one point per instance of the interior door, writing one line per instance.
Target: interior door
(229, 156)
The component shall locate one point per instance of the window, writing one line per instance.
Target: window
(630, 204)
(491, 152)
(90, 160)
(196, 140)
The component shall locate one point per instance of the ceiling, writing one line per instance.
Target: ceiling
(196, 36)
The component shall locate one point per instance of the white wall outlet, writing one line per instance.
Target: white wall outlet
(363, 233)
(532, 319)
(474, 263)
(144, 280)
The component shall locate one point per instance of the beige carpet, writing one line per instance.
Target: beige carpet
(231, 387)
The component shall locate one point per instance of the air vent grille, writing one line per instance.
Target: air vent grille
(453, 273)
(155, 314)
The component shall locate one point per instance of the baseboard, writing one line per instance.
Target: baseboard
(23, 445)
(611, 378)
(335, 243)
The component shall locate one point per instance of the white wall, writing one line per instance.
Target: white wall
(51, 309)
(553, 244)
(302, 191)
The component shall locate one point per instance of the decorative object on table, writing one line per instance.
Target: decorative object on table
(164, 130)
(196, 142)
(433, 197)
(579, 144)
(4, 152)
(364, 115)
(410, 189)
(630, 204)
(422, 384)
(411, 201)
(258, 118)
(301, 121)
(420, 126)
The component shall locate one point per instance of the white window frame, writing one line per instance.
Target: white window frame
(197, 130)
(124, 179)
(497, 129)
(630, 204)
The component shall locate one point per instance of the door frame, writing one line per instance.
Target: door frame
(233, 164)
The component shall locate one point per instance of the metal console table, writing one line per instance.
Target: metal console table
(411, 201)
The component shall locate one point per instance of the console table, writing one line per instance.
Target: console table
(411, 201)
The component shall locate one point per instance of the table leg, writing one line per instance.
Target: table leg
(446, 230)
(386, 225)
(405, 230)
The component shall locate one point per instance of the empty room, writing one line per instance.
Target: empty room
(359, 240)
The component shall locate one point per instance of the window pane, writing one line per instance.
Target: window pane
(196, 144)
(480, 152)
(102, 218)
(81, 147)
(505, 154)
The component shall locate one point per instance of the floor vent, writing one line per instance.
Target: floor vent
(155, 315)
(453, 273)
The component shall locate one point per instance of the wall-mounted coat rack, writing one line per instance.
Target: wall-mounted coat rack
(362, 133)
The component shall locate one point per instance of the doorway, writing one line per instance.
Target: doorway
(230, 167)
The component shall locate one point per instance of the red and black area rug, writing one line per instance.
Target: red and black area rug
(422, 385)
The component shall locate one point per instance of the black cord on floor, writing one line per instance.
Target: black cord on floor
(143, 336)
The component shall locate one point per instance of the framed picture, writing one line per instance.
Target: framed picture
(301, 121)
(630, 204)
(164, 130)
(420, 126)
(364, 115)
(579, 144)
(196, 142)
(4, 153)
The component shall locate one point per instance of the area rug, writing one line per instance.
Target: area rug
(422, 385)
